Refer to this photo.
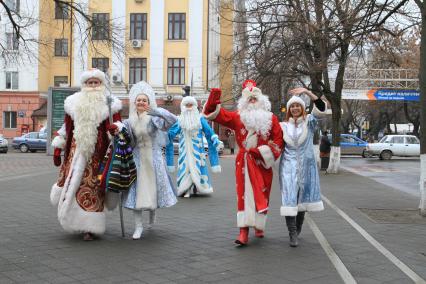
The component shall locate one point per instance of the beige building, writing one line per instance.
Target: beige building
(168, 43)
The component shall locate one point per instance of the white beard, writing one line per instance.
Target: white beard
(88, 115)
(189, 120)
(255, 117)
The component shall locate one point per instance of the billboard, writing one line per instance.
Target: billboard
(381, 95)
(55, 111)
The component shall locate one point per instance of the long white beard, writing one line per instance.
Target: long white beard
(89, 113)
(189, 120)
(255, 117)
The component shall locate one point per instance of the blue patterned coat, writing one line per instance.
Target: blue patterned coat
(192, 166)
(298, 171)
(161, 120)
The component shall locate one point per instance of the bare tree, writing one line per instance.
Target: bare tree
(422, 6)
(79, 19)
(308, 42)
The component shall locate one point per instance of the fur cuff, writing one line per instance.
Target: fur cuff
(288, 211)
(171, 169)
(216, 169)
(119, 125)
(58, 142)
(259, 220)
(214, 137)
(311, 207)
(317, 113)
(267, 155)
(55, 194)
(213, 115)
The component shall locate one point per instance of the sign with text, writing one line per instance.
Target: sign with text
(55, 110)
(382, 95)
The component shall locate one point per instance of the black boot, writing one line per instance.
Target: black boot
(299, 221)
(292, 230)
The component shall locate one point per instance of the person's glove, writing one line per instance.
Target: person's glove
(213, 100)
(255, 153)
(57, 157)
(112, 129)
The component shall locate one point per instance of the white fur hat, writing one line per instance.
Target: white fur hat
(142, 88)
(257, 93)
(295, 99)
(92, 73)
(188, 99)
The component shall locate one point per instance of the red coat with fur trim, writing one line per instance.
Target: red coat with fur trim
(260, 172)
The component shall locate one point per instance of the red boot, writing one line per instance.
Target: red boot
(242, 239)
(259, 233)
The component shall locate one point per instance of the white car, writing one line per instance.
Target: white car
(395, 145)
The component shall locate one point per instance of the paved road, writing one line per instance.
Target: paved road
(398, 173)
(193, 241)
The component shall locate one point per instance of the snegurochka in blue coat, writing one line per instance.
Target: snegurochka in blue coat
(298, 171)
(193, 129)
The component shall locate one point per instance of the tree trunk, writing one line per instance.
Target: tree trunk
(422, 81)
(334, 165)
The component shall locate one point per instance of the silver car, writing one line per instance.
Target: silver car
(4, 145)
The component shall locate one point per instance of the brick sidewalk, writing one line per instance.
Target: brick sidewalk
(193, 241)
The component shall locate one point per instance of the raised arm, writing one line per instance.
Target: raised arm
(213, 143)
(173, 131)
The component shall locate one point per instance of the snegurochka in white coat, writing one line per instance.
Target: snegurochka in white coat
(191, 128)
(148, 126)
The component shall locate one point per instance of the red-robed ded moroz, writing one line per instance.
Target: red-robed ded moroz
(260, 141)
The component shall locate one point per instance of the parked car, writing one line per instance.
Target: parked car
(4, 145)
(206, 146)
(352, 145)
(33, 141)
(395, 145)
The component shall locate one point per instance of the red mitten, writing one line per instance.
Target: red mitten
(213, 101)
(112, 129)
(255, 153)
(57, 157)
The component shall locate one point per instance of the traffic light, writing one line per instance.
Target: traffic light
(187, 90)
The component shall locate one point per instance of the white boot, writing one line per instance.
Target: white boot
(138, 225)
(187, 194)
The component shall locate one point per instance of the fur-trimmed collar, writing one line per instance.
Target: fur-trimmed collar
(301, 122)
(71, 101)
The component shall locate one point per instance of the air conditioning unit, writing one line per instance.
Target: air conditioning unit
(136, 43)
(116, 77)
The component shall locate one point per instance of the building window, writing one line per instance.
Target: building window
(176, 71)
(100, 28)
(9, 119)
(137, 70)
(138, 26)
(61, 11)
(177, 26)
(60, 81)
(101, 63)
(13, 5)
(12, 80)
(61, 47)
(12, 41)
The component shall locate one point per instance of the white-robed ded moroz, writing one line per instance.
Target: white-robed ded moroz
(192, 129)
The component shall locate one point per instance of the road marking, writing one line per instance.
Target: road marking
(334, 258)
(404, 268)
(27, 175)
